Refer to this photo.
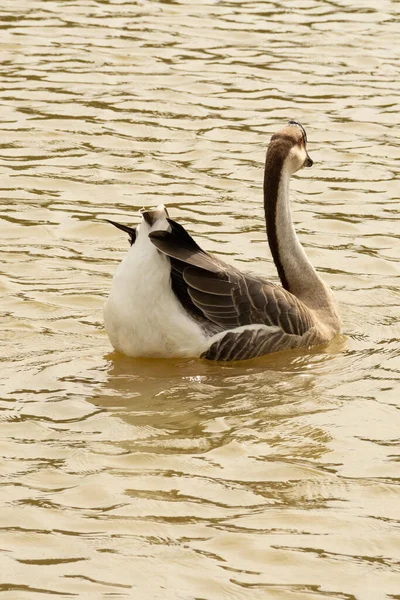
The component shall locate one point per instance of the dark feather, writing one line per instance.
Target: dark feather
(131, 231)
(178, 244)
(221, 296)
(249, 343)
(204, 281)
(206, 301)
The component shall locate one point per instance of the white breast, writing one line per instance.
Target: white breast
(142, 314)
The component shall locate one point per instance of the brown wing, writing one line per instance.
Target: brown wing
(252, 341)
(234, 299)
(225, 296)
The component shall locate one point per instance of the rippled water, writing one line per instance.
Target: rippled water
(182, 480)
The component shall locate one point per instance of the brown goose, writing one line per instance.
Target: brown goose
(171, 298)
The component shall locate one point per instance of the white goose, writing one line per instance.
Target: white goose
(170, 298)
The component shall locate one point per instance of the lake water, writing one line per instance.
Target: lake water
(277, 478)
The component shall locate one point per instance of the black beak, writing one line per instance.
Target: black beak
(131, 231)
(308, 162)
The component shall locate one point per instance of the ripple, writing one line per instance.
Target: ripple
(274, 478)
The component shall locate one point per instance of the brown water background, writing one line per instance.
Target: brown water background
(181, 480)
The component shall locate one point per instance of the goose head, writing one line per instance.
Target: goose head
(288, 148)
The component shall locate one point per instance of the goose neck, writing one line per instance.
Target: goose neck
(296, 273)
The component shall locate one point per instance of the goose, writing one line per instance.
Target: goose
(170, 298)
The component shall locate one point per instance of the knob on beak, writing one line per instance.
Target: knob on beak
(308, 162)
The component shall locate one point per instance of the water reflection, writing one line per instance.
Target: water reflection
(181, 479)
(254, 411)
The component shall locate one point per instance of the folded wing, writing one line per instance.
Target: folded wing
(227, 299)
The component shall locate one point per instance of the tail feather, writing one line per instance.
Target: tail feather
(131, 231)
(178, 244)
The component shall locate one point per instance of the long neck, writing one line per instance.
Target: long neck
(296, 273)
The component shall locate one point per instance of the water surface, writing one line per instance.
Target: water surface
(178, 479)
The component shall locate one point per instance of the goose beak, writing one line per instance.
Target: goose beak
(308, 162)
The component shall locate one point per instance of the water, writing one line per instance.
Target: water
(177, 479)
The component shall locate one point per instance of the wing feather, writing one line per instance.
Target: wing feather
(205, 301)
(246, 343)
(228, 298)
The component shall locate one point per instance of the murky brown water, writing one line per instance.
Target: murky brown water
(181, 480)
